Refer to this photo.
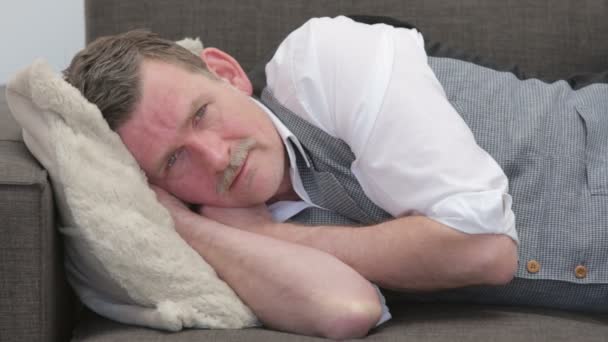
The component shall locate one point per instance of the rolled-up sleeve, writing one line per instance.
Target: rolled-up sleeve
(420, 157)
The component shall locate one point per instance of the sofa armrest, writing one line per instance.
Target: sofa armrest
(36, 303)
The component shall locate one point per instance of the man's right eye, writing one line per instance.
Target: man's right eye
(172, 159)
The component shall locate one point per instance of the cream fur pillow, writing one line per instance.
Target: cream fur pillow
(123, 257)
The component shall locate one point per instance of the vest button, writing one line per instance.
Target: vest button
(580, 271)
(533, 266)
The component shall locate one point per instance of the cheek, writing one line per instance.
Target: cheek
(192, 186)
(189, 190)
(248, 120)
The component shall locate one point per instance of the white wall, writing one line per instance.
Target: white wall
(29, 29)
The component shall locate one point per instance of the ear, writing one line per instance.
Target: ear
(227, 68)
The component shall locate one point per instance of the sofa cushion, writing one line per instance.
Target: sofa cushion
(411, 322)
(549, 38)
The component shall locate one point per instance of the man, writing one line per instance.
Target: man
(354, 130)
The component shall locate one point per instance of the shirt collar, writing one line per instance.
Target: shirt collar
(286, 135)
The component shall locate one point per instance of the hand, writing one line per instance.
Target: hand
(172, 203)
(256, 219)
(187, 224)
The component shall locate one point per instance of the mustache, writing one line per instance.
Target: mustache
(237, 157)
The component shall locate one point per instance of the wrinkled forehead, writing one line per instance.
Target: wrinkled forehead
(155, 118)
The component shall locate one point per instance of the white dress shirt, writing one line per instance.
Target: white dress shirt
(371, 86)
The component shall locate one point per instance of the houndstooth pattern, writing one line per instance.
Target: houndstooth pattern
(313, 216)
(552, 143)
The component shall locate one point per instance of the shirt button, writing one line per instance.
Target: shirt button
(580, 271)
(533, 266)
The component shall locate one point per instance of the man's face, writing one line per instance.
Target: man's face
(188, 130)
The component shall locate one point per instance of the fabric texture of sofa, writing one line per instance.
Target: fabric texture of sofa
(549, 39)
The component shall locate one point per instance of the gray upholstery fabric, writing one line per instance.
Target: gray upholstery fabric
(545, 37)
(411, 322)
(35, 302)
(9, 130)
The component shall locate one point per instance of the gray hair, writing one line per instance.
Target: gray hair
(106, 72)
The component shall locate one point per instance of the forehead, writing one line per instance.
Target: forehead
(165, 86)
(168, 93)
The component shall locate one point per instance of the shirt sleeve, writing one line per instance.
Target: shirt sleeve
(371, 86)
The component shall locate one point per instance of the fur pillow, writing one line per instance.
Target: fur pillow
(123, 257)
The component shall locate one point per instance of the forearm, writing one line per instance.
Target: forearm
(411, 253)
(290, 287)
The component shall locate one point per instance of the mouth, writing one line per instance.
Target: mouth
(232, 175)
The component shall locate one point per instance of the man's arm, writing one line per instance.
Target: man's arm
(411, 253)
(289, 287)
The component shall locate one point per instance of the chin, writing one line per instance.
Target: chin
(260, 195)
(259, 198)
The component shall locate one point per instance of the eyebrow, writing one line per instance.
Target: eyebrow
(160, 167)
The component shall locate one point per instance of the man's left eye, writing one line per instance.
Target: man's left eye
(199, 114)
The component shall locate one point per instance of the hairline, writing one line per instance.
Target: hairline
(141, 58)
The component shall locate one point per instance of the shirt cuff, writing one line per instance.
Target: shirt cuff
(484, 212)
(386, 314)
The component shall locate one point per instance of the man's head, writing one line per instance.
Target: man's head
(188, 120)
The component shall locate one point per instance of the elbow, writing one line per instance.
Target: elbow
(354, 320)
(501, 261)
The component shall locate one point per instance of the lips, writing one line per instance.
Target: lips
(230, 176)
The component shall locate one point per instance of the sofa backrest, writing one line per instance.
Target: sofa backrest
(546, 38)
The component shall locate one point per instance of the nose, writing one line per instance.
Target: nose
(211, 151)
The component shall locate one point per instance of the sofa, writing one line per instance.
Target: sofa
(548, 39)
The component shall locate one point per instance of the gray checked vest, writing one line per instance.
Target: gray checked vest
(552, 143)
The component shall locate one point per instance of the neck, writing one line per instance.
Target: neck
(285, 191)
